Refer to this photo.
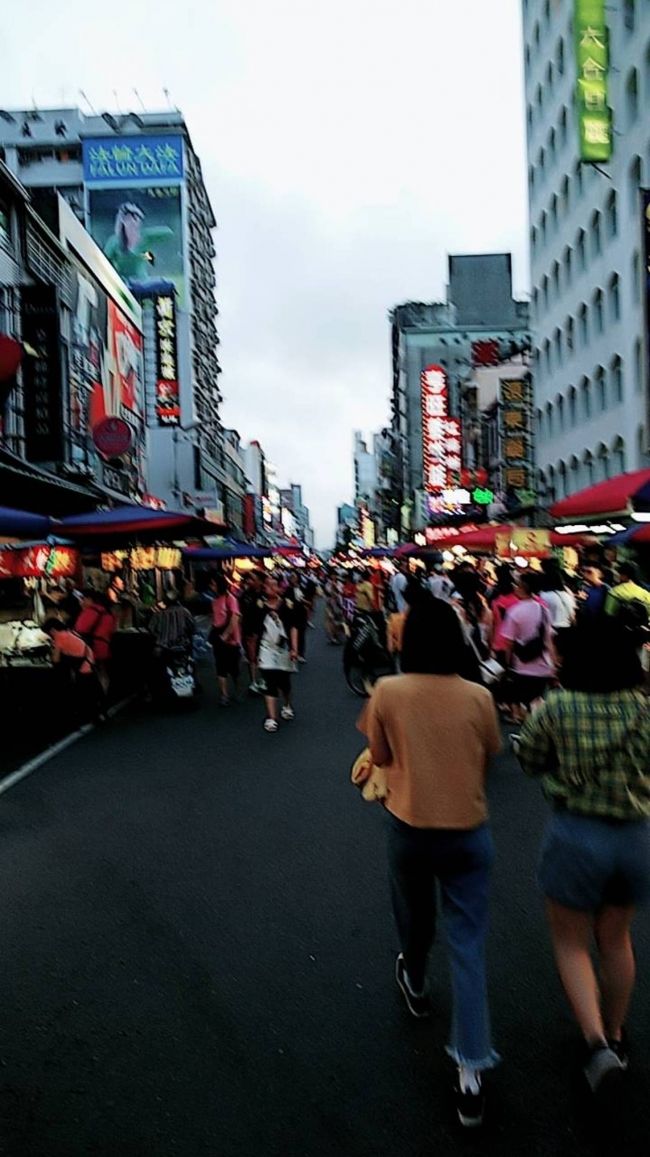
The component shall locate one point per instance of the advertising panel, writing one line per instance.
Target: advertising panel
(130, 160)
(441, 435)
(139, 229)
(42, 379)
(168, 403)
(515, 422)
(595, 127)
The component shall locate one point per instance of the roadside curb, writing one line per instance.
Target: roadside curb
(37, 761)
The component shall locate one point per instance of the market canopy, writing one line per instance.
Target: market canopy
(228, 550)
(638, 533)
(605, 499)
(136, 522)
(17, 523)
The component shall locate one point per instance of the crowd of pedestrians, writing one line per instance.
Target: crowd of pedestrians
(570, 654)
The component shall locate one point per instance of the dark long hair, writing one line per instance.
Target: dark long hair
(599, 656)
(433, 642)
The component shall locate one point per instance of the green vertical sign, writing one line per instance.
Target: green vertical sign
(592, 68)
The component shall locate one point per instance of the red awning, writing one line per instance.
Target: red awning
(605, 499)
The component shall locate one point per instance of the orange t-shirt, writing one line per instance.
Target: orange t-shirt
(72, 646)
(434, 736)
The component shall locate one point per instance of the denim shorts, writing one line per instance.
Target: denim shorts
(587, 862)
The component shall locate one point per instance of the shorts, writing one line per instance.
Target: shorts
(587, 862)
(527, 688)
(226, 658)
(276, 682)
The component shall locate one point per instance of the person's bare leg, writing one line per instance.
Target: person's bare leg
(617, 966)
(271, 707)
(223, 686)
(571, 934)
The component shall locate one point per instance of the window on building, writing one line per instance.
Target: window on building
(585, 394)
(559, 410)
(560, 58)
(557, 345)
(545, 291)
(595, 228)
(539, 98)
(549, 419)
(547, 355)
(598, 302)
(600, 390)
(5, 225)
(588, 465)
(554, 212)
(604, 468)
(635, 180)
(535, 299)
(611, 215)
(536, 35)
(629, 14)
(579, 177)
(533, 238)
(528, 56)
(538, 422)
(632, 96)
(552, 145)
(636, 277)
(574, 473)
(638, 366)
(573, 406)
(581, 247)
(616, 378)
(561, 480)
(583, 324)
(531, 176)
(543, 227)
(614, 295)
(647, 68)
(547, 12)
(618, 455)
(570, 334)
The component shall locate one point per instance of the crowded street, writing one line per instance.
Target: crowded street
(199, 952)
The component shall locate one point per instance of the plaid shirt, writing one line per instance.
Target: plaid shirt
(593, 752)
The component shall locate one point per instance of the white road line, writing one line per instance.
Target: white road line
(31, 765)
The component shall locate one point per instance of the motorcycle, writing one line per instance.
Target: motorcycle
(365, 658)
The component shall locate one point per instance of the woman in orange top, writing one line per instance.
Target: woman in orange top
(434, 733)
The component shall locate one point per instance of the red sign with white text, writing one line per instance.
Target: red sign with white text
(441, 435)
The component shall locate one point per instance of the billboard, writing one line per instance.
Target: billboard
(42, 378)
(131, 160)
(595, 128)
(139, 229)
(168, 402)
(441, 435)
(516, 424)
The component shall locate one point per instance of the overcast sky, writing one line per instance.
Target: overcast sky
(347, 146)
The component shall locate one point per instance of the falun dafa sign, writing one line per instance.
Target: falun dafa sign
(592, 67)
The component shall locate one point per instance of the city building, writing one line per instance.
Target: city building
(73, 412)
(498, 442)
(135, 181)
(479, 323)
(292, 503)
(588, 233)
(236, 484)
(365, 470)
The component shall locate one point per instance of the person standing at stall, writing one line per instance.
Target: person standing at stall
(96, 625)
(74, 659)
(225, 636)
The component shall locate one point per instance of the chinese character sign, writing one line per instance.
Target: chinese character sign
(133, 158)
(645, 201)
(441, 435)
(139, 229)
(592, 67)
(168, 410)
(516, 416)
(42, 379)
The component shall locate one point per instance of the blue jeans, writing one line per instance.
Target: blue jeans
(460, 861)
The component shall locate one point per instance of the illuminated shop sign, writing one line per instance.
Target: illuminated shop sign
(168, 409)
(592, 67)
(516, 417)
(109, 159)
(441, 435)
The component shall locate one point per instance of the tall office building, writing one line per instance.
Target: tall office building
(135, 181)
(479, 323)
(587, 70)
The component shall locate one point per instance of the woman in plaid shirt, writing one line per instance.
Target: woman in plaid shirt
(590, 743)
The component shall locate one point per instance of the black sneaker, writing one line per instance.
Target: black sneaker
(602, 1065)
(470, 1106)
(621, 1048)
(418, 1003)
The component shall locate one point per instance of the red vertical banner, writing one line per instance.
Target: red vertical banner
(441, 435)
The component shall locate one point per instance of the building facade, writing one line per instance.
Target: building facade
(479, 323)
(135, 181)
(587, 249)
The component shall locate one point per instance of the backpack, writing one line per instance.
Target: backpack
(533, 648)
(632, 614)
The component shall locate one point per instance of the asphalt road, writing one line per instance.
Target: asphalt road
(198, 955)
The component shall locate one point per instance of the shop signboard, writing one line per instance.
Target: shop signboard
(523, 543)
(113, 437)
(515, 421)
(139, 230)
(40, 561)
(441, 434)
(168, 408)
(130, 159)
(595, 127)
(42, 378)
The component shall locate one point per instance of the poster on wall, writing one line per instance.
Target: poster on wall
(139, 230)
(42, 378)
(128, 160)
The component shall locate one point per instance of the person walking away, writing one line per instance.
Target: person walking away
(438, 582)
(434, 733)
(503, 597)
(395, 638)
(75, 660)
(590, 744)
(278, 635)
(334, 612)
(310, 592)
(225, 637)
(527, 640)
(398, 587)
(557, 598)
(295, 598)
(593, 592)
(96, 625)
(630, 602)
(364, 595)
(250, 603)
